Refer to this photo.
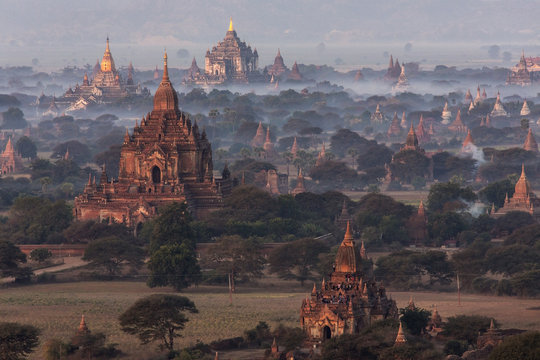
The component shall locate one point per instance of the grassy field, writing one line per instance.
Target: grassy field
(56, 309)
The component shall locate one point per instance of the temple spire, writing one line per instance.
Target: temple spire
(165, 69)
(400, 338)
(231, 27)
(107, 49)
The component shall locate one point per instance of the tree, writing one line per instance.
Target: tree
(40, 255)
(17, 341)
(345, 139)
(172, 226)
(466, 327)
(415, 320)
(26, 147)
(13, 118)
(449, 196)
(408, 164)
(496, 192)
(157, 318)
(79, 152)
(173, 265)
(111, 252)
(297, 260)
(10, 258)
(237, 256)
(523, 346)
(509, 260)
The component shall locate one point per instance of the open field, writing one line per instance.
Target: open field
(56, 309)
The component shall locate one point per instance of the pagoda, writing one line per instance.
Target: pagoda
(468, 97)
(10, 160)
(278, 67)
(344, 218)
(498, 109)
(294, 148)
(400, 338)
(402, 83)
(395, 127)
(530, 142)
(417, 225)
(268, 146)
(478, 98)
(522, 200)
(231, 60)
(259, 138)
(525, 109)
(458, 125)
(403, 123)
(377, 116)
(350, 301)
(166, 159)
(519, 75)
(193, 72)
(295, 73)
(300, 186)
(411, 143)
(468, 144)
(393, 71)
(446, 114)
(321, 158)
(106, 86)
(421, 133)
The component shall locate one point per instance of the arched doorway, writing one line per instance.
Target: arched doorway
(327, 333)
(156, 175)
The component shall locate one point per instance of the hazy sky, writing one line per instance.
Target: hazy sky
(65, 32)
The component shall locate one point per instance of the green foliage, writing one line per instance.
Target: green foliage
(26, 147)
(173, 265)
(409, 164)
(446, 226)
(237, 256)
(496, 192)
(523, 346)
(336, 171)
(87, 231)
(111, 253)
(17, 341)
(512, 259)
(40, 255)
(511, 221)
(172, 226)
(10, 258)
(454, 347)
(56, 349)
(465, 327)
(526, 283)
(345, 139)
(35, 220)
(157, 318)
(415, 320)
(289, 338)
(257, 335)
(449, 196)
(297, 260)
(404, 269)
(13, 118)
(470, 263)
(79, 152)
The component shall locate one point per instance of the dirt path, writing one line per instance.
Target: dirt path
(69, 263)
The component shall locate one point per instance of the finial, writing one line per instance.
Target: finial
(165, 69)
(231, 27)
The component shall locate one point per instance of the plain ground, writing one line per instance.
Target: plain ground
(57, 308)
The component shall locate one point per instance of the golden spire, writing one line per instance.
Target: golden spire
(400, 338)
(348, 234)
(107, 47)
(165, 69)
(231, 27)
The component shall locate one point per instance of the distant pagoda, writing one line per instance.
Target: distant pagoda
(402, 83)
(522, 200)
(530, 142)
(295, 73)
(519, 75)
(525, 109)
(446, 114)
(421, 132)
(377, 116)
(395, 128)
(278, 67)
(498, 108)
(458, 125)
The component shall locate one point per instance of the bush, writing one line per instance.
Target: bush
(454, 347)
(484, 285)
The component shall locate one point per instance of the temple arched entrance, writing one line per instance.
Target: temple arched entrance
(327, 333)
(156, 175)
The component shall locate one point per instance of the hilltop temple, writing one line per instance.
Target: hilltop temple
(166, 159)
(350, 301)
(231, 60)
(106, 86)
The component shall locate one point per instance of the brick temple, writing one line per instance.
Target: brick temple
(166, 159)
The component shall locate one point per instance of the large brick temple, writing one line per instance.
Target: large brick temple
(350, 301)
(166, 159)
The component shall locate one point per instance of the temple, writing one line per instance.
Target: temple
(519, 74)
(530, 142)
(278, 67)
(498, 109)
(393, 71)
(295, 73)
(446, 114)
(421, 132)
(350, 301)
(458, 125)
(402, 81)
(468, 144)
(522, 200)
(106, 86)
(165, 160)
(395, 127)
(525, 109)
(10, 160)
(231, 60)
(377, 116)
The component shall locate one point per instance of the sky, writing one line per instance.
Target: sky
(57, 33)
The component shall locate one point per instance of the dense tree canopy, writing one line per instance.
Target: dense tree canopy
(17, 341)
(157, 318)
(111, 253)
